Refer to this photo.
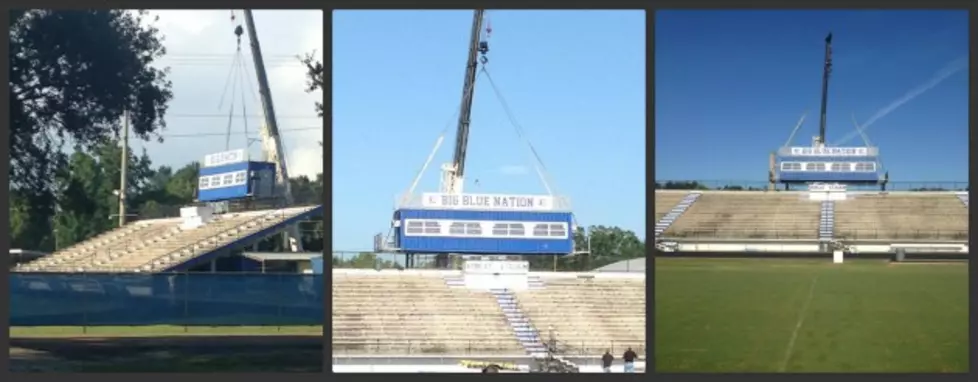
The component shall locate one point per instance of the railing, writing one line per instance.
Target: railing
(840, 233)
(422, 347)
(759, 185)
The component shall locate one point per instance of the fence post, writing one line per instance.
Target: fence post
(186, 300)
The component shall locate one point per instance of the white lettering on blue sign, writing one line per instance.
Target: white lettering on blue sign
(226, 157)
(488, 202)
(830, 151)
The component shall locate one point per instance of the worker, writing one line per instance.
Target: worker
(629, 358)
(606, 361)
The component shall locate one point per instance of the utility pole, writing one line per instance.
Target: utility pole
(125, 168)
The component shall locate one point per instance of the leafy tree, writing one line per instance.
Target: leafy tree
(72, 74)
(363, 260)
(314, 77)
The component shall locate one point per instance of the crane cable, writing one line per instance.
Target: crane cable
(235, 75)
(538, 165)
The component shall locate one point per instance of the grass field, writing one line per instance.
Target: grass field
(800, 315)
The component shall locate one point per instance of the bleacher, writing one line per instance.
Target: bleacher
(160, 244)
(903, 216)
(390, 312)
(589, 315)
(665, 200)
(749, 215)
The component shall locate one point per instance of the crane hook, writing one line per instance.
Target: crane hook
(238, 31)
(483, 49)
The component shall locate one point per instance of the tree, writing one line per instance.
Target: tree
(314, 76)
(72, 74)
(363, 260)
(608, 245)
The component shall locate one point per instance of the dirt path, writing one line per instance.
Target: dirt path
(173, 353)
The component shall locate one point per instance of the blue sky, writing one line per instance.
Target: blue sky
(575, 81)
(731, 85)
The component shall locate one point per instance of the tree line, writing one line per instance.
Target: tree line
(73, 76)
(608, 245)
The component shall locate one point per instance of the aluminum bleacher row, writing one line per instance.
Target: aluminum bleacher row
(790, 215)
(417, 312)
(160, 244)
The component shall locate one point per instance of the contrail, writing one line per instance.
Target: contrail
(949, 70)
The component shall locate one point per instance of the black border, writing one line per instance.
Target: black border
(5, 374)
(972, 375)
(327, 141)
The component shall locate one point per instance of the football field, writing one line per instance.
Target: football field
(803, 315)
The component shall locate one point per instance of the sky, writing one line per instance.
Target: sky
(574, 80)
(201, 49)
(731, 85)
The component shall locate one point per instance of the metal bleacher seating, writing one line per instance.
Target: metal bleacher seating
(390, 312)
(154, 245)
(589, 315)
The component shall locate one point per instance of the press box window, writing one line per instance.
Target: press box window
(432, 227)
(508, 229)
(473, 229)
(557, 230)
(866, 167)
(414, 227)
(790, 166)
(456, 229)
(541, 230)
(517, 230)
(204, 182)
(228, 180)
(840, 167)
(239, 178)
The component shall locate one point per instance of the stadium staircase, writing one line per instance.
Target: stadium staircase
(525, 333)
(528, 336)
(964, 198)
(663, 224)
(162, 245)
(826, 224)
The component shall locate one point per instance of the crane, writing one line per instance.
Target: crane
(453, 174)
(272, 149)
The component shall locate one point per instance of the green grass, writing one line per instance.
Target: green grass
(158, 330)
(767, 315)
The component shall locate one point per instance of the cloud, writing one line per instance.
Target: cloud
(514, 170)
(200, 51)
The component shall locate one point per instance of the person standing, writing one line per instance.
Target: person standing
(629, 358)
(606, 361)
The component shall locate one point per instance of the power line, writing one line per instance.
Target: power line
(226, 55)
(191, 135)
(212, 115)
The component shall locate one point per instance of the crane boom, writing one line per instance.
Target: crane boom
(456, 171)
(272, 145)
(825, 87)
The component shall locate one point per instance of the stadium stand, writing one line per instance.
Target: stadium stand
(749, 214)
(909, 215)
(589, 315)
(390, 312)
(154, 245)
(665, 201)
